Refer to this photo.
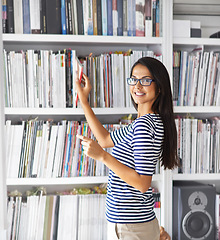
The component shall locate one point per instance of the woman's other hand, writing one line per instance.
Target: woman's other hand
(83, 91)
(164, 235)
(91, 148)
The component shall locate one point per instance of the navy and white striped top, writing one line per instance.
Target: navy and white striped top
(138, 146)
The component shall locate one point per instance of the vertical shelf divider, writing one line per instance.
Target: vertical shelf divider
(3, 192)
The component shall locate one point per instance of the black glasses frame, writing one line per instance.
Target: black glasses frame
(149, 81)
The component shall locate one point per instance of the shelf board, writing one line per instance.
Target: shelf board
(58, 184)
(82, 39)
(203, 110)
(197, 177)
(105, 115)
(197, 41)
(198, 111)
(53, 185)
(67, 111)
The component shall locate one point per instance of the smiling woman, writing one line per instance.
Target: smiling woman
(136, 150)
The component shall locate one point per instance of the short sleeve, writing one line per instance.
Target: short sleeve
(143, 145)
(119, 134)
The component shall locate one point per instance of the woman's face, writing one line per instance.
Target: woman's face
(143, 95)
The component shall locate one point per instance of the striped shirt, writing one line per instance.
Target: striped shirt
(138, 146)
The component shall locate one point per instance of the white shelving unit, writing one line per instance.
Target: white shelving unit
(99, 44)
(196, 13)
(83, 46)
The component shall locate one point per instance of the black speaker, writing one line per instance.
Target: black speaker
(194, 212)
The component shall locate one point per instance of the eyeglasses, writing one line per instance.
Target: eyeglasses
(143, 81)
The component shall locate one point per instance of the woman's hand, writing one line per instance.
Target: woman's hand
(83, 92)
(164, 235)
(91, 148)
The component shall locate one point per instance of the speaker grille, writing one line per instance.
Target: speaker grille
(197, 224)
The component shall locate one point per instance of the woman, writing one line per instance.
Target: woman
(137, 148)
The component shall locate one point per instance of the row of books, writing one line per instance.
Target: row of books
(83, 17)
(196, 78)
(37, 148)
(198, 145)
(47, 79)
(157, 204)
(58, 217)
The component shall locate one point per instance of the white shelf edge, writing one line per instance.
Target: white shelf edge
(197, 176)
(55, 38)
(62, 181)
(196, 41)
(55, 181)
(67, 111)
(197, 109)
(104, 111)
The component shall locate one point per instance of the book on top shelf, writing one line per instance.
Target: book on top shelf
(53, 17)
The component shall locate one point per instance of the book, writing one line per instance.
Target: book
(69, 98)
(35, 16)
(26, 16)
(67, 17)
(80, 21)
(140, 12)
(70, 16)
(10, 16)
(18, 17)
(120, 18)
(63, 17)
(104, 18)
(95, 16)
(129, 18)
(114, 17)
(109, 18)
(53, 17)
(43, 21)
(4, 16)
(154, 9)
(125, 18)
(99, 16)
(157, 18)
(78, 68)
(148, 18)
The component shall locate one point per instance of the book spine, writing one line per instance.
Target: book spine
(104, 17)
(109, 18)
(63, 16)
(114, 17)
(140, 18)
(154, 7)
(120, 18)
(10, 14)
(70, 15)
(125, 18)
(158, 18)
(67, 17)
(43, 24)
(129, 19)
(90, 17)
(68, 79)
(4, 16)
(148, 18)
(133, 18)
(26, 17)
(80, 17)
(99, 17)
(35, 16)
(95, 12)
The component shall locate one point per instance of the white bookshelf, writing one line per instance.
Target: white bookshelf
(100, 44)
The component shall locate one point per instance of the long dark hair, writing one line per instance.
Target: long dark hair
(163, 105)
